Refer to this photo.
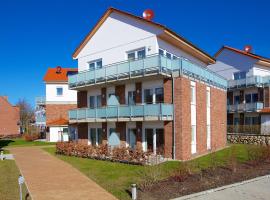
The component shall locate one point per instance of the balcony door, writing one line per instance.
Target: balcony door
(131, 138)
(154, 139)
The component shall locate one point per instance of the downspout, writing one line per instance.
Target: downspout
(173, 118)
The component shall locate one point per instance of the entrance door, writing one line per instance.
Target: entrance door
(149, 133)
(131, 139)
(160, 141)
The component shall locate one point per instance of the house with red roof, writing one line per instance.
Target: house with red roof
(52, 110)
(248, 96)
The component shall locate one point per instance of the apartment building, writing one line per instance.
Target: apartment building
(248, 99)
(9, 118)
(52, 110)
(140, 85)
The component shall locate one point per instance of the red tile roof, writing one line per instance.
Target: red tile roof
(252, 55)
(58, 122)
(56, 75)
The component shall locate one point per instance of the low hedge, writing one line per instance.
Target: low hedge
(103, 152)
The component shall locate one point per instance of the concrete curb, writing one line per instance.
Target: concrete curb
(221, 188)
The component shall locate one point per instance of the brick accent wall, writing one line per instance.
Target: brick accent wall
(120, 92)
(121, 129)
(103, 96)
(218, 118)
(168, 139)
(266, 97)
(138, 88)
(167, 87)
(201, 118)
(139, 134)
(83, 133)
(82, 99)
(56, 111)
(9, 117)
(104, 133)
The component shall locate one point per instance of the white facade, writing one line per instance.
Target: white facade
(58, 134)
(67, 97)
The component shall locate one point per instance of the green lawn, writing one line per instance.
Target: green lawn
(9, 173)
(116, 177)
(21, 142)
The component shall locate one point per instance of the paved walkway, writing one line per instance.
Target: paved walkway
(50, 178)
(256, 190)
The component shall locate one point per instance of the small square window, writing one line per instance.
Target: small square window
(59, 91)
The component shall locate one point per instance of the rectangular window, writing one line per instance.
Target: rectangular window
(141, 54)
(193, 94)
(93, 136)
(92, 102)
(255, 97)
(239, 75)
(248, 98)
(168, 55)
(59, 91)
(96, 64)
(131, 98)
(99, 136)
(136, 54)
(99, 101)
(208, 98)
(131, 56)
(159, 95)
(161, 52)
(236, 121)
(148, 96)
(236, 99)
(248, 120)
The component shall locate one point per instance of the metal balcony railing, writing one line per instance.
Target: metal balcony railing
(250, 81)
(151, 65)
(245, 107)
(125, 112)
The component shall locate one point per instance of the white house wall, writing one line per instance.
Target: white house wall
(69, 96)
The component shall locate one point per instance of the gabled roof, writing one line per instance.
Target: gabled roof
(53, 75)
(58, 122)
(252, 55)
(166, 31)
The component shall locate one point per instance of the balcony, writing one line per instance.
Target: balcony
(40, 119)
(40, 100)
(251, 81)
(143, 112)
(149, 66)
(245, 107)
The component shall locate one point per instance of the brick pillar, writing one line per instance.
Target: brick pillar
(83, 133)
(139, 135)
(138, 97)
(103, 97)
(167, 87)
(104, 133)
(230, 97)
(266, 98)
(168, 139)
(242, 98)
(121, 129)
(82, 99)
(120, 93)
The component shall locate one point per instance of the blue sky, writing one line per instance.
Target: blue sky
(37, 34)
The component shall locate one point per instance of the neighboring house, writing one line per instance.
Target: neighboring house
(248, 95)
(40, 115)
(140, 85)
(54, 107)
(9, 118)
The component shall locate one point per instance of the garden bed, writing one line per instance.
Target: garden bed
(185, 182)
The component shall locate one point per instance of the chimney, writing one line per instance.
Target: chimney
(248, 48)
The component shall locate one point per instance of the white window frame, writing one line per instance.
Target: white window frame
(193, 115)
(173, 56)
(136, 52)
(59, 87)
(95, 62)
(208, 118)
(89, 135)
(154, 93)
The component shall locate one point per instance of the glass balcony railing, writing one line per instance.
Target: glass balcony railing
(123, 111)
(40, 100)
(40, 119)
(249, 81)
(151, 65)
(245, 107)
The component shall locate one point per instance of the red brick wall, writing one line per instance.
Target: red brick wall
(121, 129)
(218, 118)
(168, 139)
(9, 117)
(138, 97)
(83, 133)
(82, 99)
(266, 97)
(120, 92)
(201, 136)
(167, 86)
(56, 111)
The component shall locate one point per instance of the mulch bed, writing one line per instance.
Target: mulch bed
(208, 179)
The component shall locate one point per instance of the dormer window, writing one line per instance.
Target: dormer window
(136, 54)
(96, 64)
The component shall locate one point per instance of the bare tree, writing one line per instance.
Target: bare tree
(27, 114)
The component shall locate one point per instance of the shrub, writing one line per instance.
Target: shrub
(124, 154)
(149, 176)
(255, 154)
(31, 137)
(181, 173)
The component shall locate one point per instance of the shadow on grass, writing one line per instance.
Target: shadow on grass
(4, 143)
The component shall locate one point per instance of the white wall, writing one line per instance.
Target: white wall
(265, 124)
(68, 95)
(55, 136)
(259, 70)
